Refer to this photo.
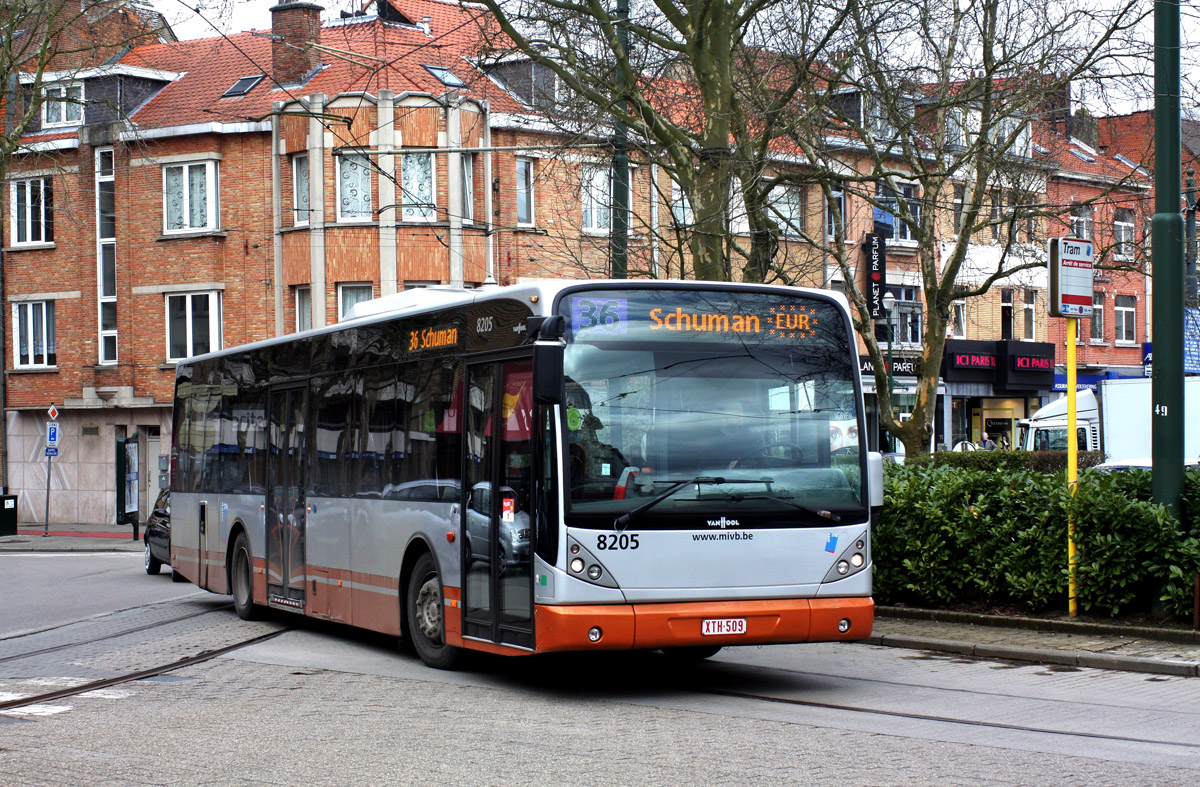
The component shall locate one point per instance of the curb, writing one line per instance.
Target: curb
(1182, 636)
(1186, 669)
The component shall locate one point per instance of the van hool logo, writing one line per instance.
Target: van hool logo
(724, 522)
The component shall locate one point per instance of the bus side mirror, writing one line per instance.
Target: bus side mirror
(548, 358)
(875, 478)
(548, 372)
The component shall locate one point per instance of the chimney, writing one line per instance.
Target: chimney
(293, 27)
(426, 26)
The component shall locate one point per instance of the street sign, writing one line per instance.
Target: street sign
(51, 451)
(51, 434)
(1071, 277)
(52, 412)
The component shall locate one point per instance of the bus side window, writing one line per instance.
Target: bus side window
(1082, 441)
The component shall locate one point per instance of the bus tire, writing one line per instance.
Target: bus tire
(240, 581)
(426, 615)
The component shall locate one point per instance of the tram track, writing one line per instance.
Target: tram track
(130, 677)
(111, 635)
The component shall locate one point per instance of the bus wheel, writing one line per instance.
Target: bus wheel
(691, 655)
(426, 618)
(243, 587)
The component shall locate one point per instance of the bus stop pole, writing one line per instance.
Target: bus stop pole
(1072, 467)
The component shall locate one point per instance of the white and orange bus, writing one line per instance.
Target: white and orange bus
(574, 465)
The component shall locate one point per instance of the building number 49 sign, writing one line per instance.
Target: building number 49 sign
(1071, 271)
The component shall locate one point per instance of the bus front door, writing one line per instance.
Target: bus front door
(497, 478)
(285, 498)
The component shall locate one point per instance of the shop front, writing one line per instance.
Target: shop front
(992, 386)
(905, 370)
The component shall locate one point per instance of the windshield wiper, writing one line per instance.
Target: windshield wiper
(821, 512)
(624, 519)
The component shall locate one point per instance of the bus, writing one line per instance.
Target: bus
(554, 466)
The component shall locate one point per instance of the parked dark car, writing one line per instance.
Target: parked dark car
(158, 534)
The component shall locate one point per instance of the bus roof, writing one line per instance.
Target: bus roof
(540, 292)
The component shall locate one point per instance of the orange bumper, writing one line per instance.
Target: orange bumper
(650, 626)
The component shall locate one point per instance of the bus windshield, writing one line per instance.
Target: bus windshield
(738, 404)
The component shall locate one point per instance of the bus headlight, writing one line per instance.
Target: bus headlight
(594, 572)
(577, 565)
(857, 559)
(842, 566)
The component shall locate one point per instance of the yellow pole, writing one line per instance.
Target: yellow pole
(1072, 466)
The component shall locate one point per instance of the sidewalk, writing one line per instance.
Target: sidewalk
(73, 538)
(1062, 643)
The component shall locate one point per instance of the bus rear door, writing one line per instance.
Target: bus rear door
(498, 484)
(286, 462)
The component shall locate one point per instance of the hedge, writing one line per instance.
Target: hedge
(964, 536)
(1038, 461)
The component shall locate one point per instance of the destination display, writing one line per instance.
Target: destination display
(699, 316)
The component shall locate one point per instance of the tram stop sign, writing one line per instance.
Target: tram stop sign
(1071, 275)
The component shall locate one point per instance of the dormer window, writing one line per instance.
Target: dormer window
(446, 76)
(62, 105)
(243, 86)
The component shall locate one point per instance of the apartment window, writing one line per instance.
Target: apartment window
(525, 192)
(596, 193)
(62, 105)
(681, 207)
(1123, 233)
(994, 216)
(106, 254)
(956, 129)
(417, 202)
(190, 197)
(193, 323)
(907, 314)
(1006, 314)
(835, 211)
(1097, 333)
(893, 203)
(350, 294)
(1030, 313)
(1125, 318)
(468, 188)
(1021, 209)
(1081, 222)
(32, 211)
(958, 320)
(303, 308)
(960, 194)
(354, 187)
(33, 340)
(300, 206)
(787, 202)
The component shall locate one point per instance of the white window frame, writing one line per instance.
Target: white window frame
(1096, 331)
(25, 342)
(411, 209)
(837, 192)
(1008, 317)
(212, 210)
(787, 202)
(525, 191)
(1029, 315)
(58, 97)
(681, 208)
(303, 297)
(300, 196)
(908, 194)
(345, 287)
(959, 206)
(468, 188)
(956, 129)
(107, 336)
(958, 320)
(595, 194)
(1123, 237)
(1125, 320)
(189, 338)
(358, 160)
(908, 315)
(30, 221)
(1081, 222)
